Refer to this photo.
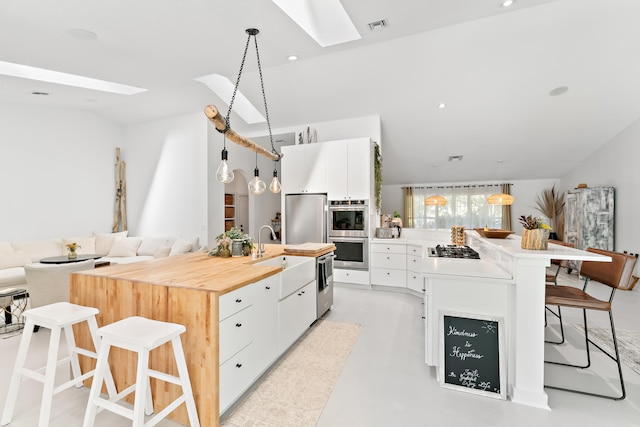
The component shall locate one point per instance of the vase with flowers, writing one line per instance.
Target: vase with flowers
(535, 233)
(72, 250)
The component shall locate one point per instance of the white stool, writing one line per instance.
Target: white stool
(141, 335)
(57, 317)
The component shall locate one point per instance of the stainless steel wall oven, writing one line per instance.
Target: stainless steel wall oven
(351, 252)
(348, 218)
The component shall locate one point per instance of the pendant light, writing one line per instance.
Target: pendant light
(256, 185)
(500, 198)
(224, 173)
(435, 201)
(275, 186)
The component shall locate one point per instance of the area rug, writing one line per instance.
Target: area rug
(295, 391)
(628, 344)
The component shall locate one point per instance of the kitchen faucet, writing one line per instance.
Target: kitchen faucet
(260, 244)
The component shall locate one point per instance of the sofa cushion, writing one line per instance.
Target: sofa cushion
(125, 247)
(15, 259)
(38, 249)
(162, 252)
(149, 245)
(126, 260)
(13, 276)
(86, 245)
(182, 246)
(105, 240)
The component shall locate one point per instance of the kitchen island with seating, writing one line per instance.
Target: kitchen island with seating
(506, 283)
(210, 296)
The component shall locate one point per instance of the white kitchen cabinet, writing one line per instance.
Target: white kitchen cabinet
(304, 168)
(356, 277)
(389, 264)
(236, 332)
(415, 282)
(296, 313)
(350, 169)
(265, 309)
(236, 376)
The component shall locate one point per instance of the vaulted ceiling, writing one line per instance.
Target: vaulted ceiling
(494, 67)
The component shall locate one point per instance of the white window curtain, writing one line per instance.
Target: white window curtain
(466, 206)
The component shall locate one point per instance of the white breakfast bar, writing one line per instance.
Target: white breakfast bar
(508, 283)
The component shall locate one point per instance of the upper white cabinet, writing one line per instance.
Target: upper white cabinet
(304, 168)
(349, 169)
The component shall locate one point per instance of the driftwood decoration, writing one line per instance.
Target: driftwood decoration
(219, 122)
(120, 208)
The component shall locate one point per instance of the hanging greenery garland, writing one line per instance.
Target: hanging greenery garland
(377, 162)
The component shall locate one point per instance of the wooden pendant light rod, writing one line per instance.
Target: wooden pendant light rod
(218, 121)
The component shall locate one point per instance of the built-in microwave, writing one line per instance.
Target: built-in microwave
(348, 218)
(351, 252)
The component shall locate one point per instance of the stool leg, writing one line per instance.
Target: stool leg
(183, 372)
(73, 354)
(142, 389)
(49, 377)
(12, 396)
(108, 378)
(98, 376)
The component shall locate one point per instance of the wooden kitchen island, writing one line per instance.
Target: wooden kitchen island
(183, 289)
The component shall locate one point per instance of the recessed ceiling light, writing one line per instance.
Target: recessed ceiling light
(223, 87)
(560, 90)
(378, 25)
(49, 76)
(81, 34)
(325, 21)
(507, 3)
(442, 105)
(293, 57)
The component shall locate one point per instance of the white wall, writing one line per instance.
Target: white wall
(524, 193)
(167, 177)
(616, 165)
(57, 172)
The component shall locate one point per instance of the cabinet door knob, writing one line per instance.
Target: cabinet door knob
(238, 300)
(238, 365)
(388, 273)
(423, 317)
(303, 292)
(267, 287)
(238, 325)
(388, 258)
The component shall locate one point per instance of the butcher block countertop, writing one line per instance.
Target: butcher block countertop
(201, 271)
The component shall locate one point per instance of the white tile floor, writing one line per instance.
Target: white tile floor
(385, 381)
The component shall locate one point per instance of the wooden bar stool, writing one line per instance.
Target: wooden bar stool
(57, 317)
(141, 335)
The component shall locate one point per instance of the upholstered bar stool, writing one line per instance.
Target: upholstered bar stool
(141, 335)
(57, 317)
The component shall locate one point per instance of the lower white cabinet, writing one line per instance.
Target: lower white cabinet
(236, 332)
(265, 338)
(236, 375)
(297, 313)
(357, 277)
(415, 281)
(389, 264)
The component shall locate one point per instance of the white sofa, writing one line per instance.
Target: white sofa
(116, 248)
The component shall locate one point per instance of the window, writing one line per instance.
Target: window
(466, 206)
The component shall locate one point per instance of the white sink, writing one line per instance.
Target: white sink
(297, 272)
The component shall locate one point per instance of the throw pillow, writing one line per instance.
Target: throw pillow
(150, 244)
(162, 252)
(125, 247)
(16, 259)
(182, 246)
(87, 245)
(105, 240)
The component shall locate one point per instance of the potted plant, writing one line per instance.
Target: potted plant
(226, 240)
(535, 233)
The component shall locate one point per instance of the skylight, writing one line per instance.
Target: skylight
(324, 20)
(49, 76)
(223, 87)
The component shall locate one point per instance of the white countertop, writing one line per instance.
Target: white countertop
(485, 269)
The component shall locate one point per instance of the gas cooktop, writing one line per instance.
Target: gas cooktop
(453, 251)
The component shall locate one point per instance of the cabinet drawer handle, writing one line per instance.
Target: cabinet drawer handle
(238, 325)
(238, 300)
(388, 273)
(238, 365)
(267, 287)
(303, 292)
(299, 295)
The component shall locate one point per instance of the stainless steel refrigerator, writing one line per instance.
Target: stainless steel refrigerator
(305, 218)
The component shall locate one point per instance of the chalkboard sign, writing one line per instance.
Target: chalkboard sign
(472, 354)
